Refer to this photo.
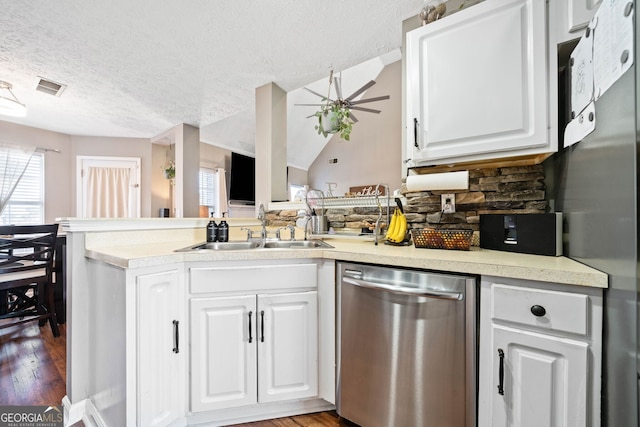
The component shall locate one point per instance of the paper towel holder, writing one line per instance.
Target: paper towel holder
(458, 180)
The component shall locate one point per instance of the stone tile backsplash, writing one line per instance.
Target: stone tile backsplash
(501, 190)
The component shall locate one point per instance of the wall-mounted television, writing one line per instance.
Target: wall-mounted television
(242, 180)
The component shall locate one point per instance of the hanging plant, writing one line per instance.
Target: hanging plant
(170, 170)
(335, 115)
(334, 118)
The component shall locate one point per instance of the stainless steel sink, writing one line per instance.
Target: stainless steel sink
(221, 246)
(297, 244)
(255, 244)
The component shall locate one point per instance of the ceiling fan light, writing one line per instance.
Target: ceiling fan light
(10, 106)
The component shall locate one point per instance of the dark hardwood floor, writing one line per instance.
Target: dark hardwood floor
(330, 418)
(33, 372)
(32, 365)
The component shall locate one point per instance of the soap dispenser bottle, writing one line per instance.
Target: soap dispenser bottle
(212, 230)
(223, 230)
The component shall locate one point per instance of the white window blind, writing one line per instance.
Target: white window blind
(208, 180)
(26, 205)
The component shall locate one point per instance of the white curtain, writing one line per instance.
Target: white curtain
(13, 162)
(108, 192)
(221, 203)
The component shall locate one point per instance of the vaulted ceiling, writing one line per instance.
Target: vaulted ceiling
(138, 68)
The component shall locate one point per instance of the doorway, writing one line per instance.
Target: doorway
(108, 187)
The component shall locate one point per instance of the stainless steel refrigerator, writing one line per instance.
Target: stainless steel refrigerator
(595, 184)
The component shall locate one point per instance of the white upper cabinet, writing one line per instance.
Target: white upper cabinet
(573, 17)
(481, 84)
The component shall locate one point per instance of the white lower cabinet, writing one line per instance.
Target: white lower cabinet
(223, 352)
(253, 349)
(288, 346)
(535, 390)
(160, 362)
(540, 354)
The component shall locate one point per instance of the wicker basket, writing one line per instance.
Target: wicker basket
(442, 239)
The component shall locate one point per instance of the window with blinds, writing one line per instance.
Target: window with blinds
(208, 179)
(26, 205)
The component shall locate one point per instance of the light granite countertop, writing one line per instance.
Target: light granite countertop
(475, 261)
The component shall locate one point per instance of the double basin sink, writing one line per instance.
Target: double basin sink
(256, 244)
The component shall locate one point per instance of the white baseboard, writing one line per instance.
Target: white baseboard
(84, 411)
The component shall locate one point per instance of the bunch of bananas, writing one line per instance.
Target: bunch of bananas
(397, 230)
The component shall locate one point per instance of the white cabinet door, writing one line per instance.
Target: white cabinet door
(573, 17)
(544, 382)
(223, 352)
(288, 347)
(478, 85)
(159, 362)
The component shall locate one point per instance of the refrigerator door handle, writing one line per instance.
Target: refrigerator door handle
(403, 290)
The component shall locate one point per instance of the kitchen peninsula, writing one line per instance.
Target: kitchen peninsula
(140, 314)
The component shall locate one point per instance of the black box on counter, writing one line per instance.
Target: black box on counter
(537, 234)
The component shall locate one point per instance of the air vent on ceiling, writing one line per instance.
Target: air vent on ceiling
(52, 88)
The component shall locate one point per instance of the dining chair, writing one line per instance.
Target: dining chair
(26, 270)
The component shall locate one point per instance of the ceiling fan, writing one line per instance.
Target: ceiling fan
(347, 102)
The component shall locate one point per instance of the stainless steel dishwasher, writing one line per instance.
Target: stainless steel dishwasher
(406, 347)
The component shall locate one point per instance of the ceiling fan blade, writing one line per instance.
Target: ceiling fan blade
(362, 101)
(316, 93)
(368, 110)
(308, 117)
(362, 89)
(338, 87)
(353, 118)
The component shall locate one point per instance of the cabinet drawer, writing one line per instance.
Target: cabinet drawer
(252, 278)
(558, 311)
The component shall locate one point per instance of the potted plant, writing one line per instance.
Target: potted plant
(170, 170)
(334, 118)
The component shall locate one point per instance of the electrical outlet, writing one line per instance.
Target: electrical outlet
(448, 202)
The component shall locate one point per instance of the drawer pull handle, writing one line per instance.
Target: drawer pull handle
(250, 337)
(415, 133)
(538, 310)
(501, 372)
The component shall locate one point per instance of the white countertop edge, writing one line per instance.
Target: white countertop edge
(120, 224)
(476, 261)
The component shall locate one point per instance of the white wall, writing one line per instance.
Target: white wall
(115, 147)
(373, 154)
(58, 168)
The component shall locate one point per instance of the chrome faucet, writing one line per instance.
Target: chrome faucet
(306, 215)
(263, 219)
(249, 233)
(292, 232)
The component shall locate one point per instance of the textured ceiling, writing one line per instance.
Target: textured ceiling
(138, 68)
